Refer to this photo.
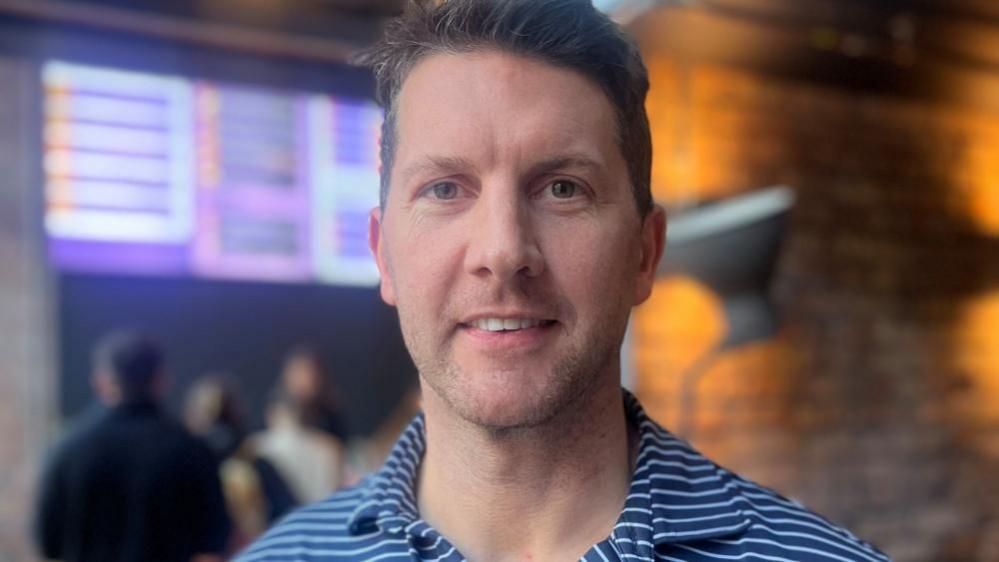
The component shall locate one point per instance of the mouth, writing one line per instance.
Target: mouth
(499, 325)
(507, 333)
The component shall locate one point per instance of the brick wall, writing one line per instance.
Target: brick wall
(878, 403)
(27, 402)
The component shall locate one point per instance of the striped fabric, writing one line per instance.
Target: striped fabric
(680, 506)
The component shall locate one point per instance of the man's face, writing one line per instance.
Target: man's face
(510, 240)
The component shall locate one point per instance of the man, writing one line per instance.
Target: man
(516, 231)
(129, 484)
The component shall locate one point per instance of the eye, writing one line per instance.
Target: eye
(444, 190)
(563, 189)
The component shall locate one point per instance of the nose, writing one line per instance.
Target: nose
(502, 240)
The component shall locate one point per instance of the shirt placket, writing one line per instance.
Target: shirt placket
(429, 545)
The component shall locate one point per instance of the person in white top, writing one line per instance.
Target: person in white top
(311, 461)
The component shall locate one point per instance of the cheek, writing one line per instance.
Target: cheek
(423, 263)
(604, 253)
(592, 261)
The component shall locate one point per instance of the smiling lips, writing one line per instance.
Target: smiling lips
(507, 324)
(498, 325)
(506, 335)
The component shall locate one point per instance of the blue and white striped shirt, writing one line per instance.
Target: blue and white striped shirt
(680, 506)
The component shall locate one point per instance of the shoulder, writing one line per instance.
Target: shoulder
(699, 510)
(80, 434)
(171, 433)
(175, 446)
(786, 525)
(323, 531)
(702, 510)
(328, 443)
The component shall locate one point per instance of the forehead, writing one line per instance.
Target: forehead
(494, 104)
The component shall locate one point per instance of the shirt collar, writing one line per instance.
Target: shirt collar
(676, 494)
(389, 497)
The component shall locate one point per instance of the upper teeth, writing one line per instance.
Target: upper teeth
(501, 324)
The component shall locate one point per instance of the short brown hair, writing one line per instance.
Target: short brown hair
(566, 33)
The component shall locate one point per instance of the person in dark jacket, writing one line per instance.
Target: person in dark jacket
(130, 484)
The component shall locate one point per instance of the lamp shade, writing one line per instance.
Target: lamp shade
(731, 246)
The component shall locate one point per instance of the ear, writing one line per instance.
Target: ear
(377, 246)
(653, 240)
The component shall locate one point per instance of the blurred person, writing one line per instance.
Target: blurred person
(367, 454)
(255, 492)
(310, 460)
(306, 382)
(515, 232)
(130, 484)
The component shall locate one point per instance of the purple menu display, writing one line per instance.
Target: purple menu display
(343, 171)
(252, 194)
(118, 190)
(157, 174)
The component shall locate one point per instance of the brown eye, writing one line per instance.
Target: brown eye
(444, 190)
(563, 189)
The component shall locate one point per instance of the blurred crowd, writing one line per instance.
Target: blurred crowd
(129, 478)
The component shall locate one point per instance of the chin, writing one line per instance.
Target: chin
(504, 401)
(516, 392)
(493, 414)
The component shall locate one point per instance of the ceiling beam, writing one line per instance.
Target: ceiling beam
(200, 32)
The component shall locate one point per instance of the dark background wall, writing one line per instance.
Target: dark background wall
(243, 329)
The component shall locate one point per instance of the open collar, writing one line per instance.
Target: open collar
(676, 494)
(389, 497)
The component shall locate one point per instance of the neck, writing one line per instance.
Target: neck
(537, 493)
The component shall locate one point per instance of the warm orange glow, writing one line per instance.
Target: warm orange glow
(669, 139)
(744, 391)
(985, 207)
(698, 141)
(977, 355)
(679, 323)
(977, 175)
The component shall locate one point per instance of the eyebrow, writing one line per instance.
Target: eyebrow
(458, 164)
(438, 164)
(565, 161)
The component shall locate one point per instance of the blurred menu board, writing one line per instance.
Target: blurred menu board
(253, 185)
(343, 173)
(160, 174)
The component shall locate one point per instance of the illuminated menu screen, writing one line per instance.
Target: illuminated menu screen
(156, 174)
